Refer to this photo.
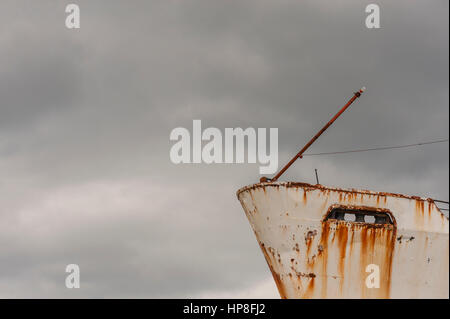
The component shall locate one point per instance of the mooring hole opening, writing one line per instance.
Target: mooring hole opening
(360, 216)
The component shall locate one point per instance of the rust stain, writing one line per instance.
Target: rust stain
(308, 240)
(324, 256)
(284, 228)
(420, 207)
(419, 214)
(377, 247)
(297, 248)
(279, 284)
(325, 190)
(309, 293)
(351, 241)
(319, 262)
(275, 275)
(389, 238)
(299, 283)
(308, 247)
(342, 235)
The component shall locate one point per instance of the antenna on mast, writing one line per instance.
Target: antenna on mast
(299, 154)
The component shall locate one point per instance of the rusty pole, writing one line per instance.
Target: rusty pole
(299, 154)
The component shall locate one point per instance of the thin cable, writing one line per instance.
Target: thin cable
(377, 148)
(385, 148)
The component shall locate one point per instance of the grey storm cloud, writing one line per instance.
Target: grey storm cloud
(85, 118)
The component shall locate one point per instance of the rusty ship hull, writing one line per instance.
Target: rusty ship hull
(322, 242)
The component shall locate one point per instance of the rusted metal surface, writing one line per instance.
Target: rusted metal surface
(311, 256)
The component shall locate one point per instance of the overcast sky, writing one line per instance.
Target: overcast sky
(85, 118)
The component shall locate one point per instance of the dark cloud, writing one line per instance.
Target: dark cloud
(85, 118)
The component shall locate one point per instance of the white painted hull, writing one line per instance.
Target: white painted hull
(311, 257)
